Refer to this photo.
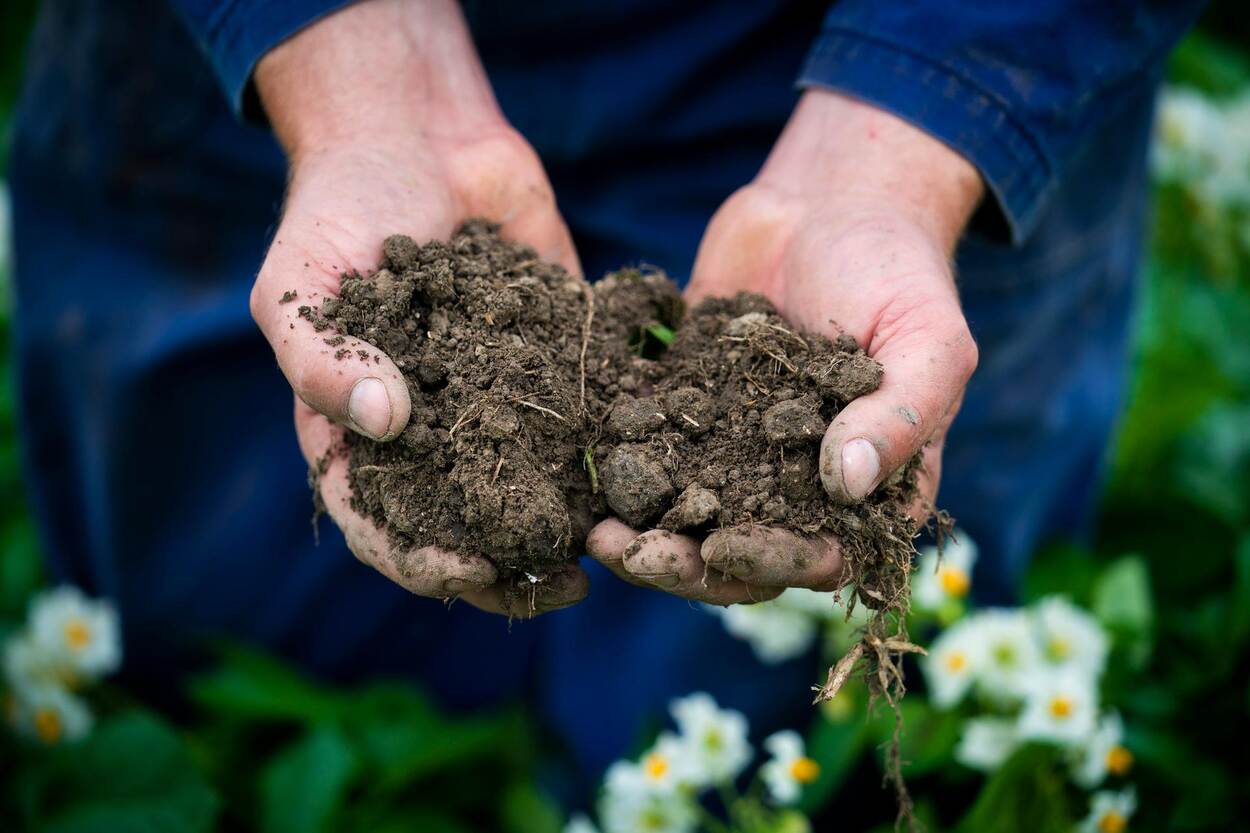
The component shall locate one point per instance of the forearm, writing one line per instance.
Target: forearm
(379, 72)
(863, 159)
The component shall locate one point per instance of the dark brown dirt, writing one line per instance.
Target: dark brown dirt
(540, 405)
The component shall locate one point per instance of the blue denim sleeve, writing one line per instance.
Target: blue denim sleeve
(234, 34)
(1016, 88)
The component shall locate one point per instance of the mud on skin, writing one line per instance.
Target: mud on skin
(540, 405)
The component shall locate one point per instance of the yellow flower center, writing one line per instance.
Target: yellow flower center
(956, 661)
(804, 770)
(1060, 707)
(1005, 654)
(47, 725)
(1119, 760)
(712, 740)
(1058, 649)
(954, 582)
(77, 634)
(655, 766)
(1112, 822)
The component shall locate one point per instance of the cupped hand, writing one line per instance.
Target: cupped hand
(407, 142)
(849, 227)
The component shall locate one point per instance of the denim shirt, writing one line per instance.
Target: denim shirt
(1016, 88)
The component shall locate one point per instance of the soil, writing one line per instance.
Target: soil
(540, 405)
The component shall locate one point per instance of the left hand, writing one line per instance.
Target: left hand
(849, 227)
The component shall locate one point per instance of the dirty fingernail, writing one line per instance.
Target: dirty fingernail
(860, 467)
(369, 408)
(665, 580)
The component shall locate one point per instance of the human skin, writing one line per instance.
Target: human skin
(390, 127)
(849, 227)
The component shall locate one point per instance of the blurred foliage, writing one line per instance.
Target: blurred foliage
(271, 751)
(1169, 574)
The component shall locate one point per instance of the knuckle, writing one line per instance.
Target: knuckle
(255, 302)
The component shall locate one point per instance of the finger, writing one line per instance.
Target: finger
(515, 192)
(607, 543)
(352, 382)
(427, 571)
(543, 229)
(525, 600)
(672, 563)
(774, 558)
(927, 365)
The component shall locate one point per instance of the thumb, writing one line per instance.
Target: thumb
(350, 381)
(927, 364)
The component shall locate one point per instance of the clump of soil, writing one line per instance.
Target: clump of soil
(730, 435)
(493, 343)
(540, 405)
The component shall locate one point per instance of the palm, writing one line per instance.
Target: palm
(340, 208)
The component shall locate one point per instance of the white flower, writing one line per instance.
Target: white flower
(79, 636)
(986, 743)
(775, 633)
(715, 739)
(789, 768)
(1109, 812)
(813, 602)
(668, 764)
(1070, 636)
(626, 809)
(1187, 126)
(1104, 753)
(952, 664)
(1204, 145)
(50, 714)
(940, 580)
(580, 824)
(1008, 649)
(25, 666)
(1061, 706)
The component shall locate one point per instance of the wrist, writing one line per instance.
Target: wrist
(861, 162)
(380, 74)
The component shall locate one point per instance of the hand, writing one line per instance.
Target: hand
(850, 226)
(390, 127)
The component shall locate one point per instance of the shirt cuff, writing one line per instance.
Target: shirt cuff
(244, 31)
(947, 105)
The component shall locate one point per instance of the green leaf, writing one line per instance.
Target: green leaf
(525, 810)
(1122, 602)
(662, 333)
(409, 747)
(250, 685)
(837, 746)
(1239, 626)
(304, 786)
(1066, 570)
(131, 774)
(928, 738)
(1028, 794)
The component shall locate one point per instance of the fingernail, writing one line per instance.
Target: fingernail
(456, 586)
(665, 580)
(369, 408)
(860, 467)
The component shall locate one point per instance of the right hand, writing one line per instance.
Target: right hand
(390, 127)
